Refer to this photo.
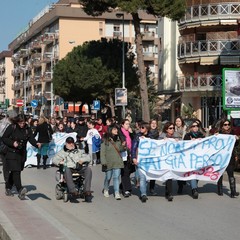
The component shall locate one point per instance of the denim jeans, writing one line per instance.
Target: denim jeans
(115, 174)
(143, 183)
(193, 183)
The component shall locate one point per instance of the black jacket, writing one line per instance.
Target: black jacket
(44, 132)
(193, 135)
(16, 157)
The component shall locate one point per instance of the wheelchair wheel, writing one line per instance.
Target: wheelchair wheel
(65, 196)
(58, 192)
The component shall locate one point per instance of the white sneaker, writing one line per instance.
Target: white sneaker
(105, 193)
(117, 196)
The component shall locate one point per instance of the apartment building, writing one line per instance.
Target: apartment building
(55, 31)
(208, 42)
(6, 79)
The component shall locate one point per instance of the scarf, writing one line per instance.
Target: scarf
(128, 138)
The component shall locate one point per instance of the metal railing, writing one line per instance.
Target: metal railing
(200, 83)
(211, 11)
(209, 47)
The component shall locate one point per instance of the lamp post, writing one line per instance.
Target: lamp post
(51, 86)
(24, 69)
(25, 91)
(121, 15)
(51, 54)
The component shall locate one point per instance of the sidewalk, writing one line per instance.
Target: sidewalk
(24, 220)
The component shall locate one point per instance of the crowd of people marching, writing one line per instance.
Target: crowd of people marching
(113, 145)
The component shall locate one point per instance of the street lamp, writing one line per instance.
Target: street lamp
(51, 54)
(121, 15)
(24, 68)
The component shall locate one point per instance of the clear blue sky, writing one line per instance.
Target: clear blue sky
(15, 15)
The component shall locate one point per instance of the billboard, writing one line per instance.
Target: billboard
(231, 88)
(120, 96)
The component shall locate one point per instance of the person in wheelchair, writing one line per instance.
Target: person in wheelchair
(70, 156)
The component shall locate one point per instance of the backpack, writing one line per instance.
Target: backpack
(3, 126)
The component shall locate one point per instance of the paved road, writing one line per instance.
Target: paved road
(41, 216)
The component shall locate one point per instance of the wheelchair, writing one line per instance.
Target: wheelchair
(61, 189)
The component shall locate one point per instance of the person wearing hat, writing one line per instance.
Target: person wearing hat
(69, 156)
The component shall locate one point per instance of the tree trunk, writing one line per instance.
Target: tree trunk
(141, 69)
(111, 104)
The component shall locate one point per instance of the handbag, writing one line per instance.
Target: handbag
(131, 165)
(104, 168)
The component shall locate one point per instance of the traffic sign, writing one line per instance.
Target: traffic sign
(34, 103)
(19, 102)
(96, 105)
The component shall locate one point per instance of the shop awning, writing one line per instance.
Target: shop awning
(167, 103)
(192, 60)
(228, 22)
(209, 60)
(230, 60)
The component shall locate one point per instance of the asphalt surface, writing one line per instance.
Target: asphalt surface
(41, 216)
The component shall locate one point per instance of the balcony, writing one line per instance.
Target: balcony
(36, 80)
(2, 67)
(117, 34)
(208, 48)
(148, 36)
(148, 56)
(36, 44)
(2, 79)
(224, 13)
(200, 83)
(2, 90)
(48, 38)
(47, 77)
(24, 53)
(47, 58)
(36, 62)
(16, 72)
(16, 86)
(16, 58)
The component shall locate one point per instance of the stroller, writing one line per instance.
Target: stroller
(61, 189)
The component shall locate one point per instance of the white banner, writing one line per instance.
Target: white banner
(54, 146)
(203, 159)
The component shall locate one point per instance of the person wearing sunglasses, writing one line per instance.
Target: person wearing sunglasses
(169, 132)
(194, 133)
(225, 128)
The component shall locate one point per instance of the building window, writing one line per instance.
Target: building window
(100, 28)
(116, 28)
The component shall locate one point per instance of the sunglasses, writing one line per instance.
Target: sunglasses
(170, 128)
(194, 126)
(142, 127)
(226, 124)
